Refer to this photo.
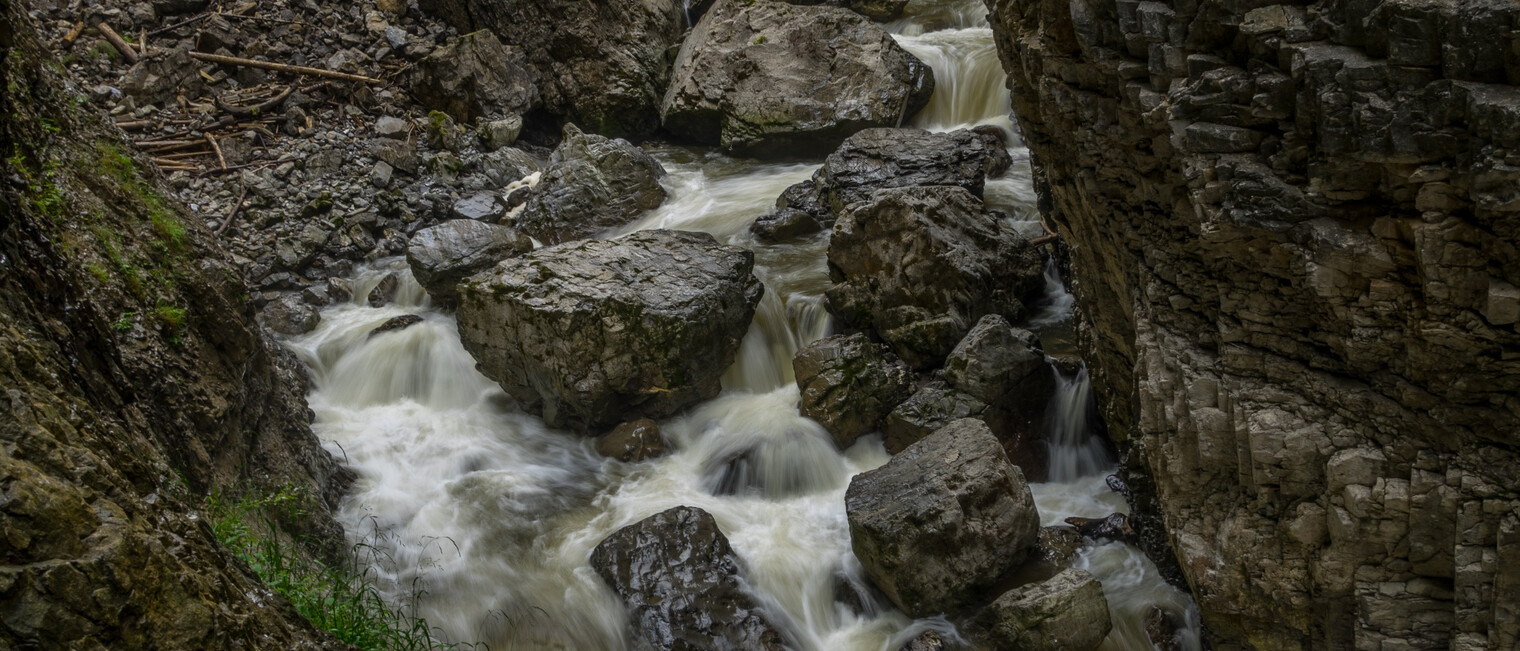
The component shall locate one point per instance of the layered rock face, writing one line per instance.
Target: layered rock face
(1293, 241)
(136, 381)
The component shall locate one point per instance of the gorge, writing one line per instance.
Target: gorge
(1231, 286)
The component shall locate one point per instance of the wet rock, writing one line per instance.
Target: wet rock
(288, 315)
(392, 127)
(395, 324)
(443, 255)
(942, 520)
(920, 265)
(996, 360)
(398, 154)
(1113, 527)
(633, 441)
(592, 184)
(602, 65)
(1066, 612)
(775, 465)
(591, 333)
(1162, 627)
(747, 77)
(874, 159)
(926, 641)
(853, 594)
(384, 291)
(161, 77)
(1057, 546)
(481, 206)
(476, 77)
(930, 408)
(682, 585)
(784, 225)
(849, 384)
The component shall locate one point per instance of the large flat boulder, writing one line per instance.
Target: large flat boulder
(593, 183)
(592, 333)
(849, 384)
(681, 582)
(921, 265)
(441, 256)
(771, 78)
(942, 520)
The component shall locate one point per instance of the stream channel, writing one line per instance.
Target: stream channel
(480, 519)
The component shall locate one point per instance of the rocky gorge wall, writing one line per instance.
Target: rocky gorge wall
(135, 382)
(1293, 241)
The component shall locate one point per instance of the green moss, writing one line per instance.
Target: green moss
(125, 321)
(171, 317)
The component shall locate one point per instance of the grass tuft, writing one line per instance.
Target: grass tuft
(343, 601)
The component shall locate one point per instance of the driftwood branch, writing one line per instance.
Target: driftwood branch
(1048, 237)
(232, 214)
(74, 32)
(210, 140)
(116, 41)
(257, 109)
(281, 67)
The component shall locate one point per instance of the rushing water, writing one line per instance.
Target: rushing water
(482, 518)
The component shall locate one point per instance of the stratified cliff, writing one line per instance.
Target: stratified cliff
(1293, 238)
(134, 381)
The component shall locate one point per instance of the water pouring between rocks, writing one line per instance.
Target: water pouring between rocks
(484, 518)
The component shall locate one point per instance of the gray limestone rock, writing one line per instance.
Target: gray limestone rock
(683, 585)
(592, 184)
(289, 315)
(921, 265)
(1066, 612)
(928, 409)
(162, 76)
(635, 440)
(443, 255)
(849, 384)
(476, 77)
(589, 334)
(942, 520)
(748, 78)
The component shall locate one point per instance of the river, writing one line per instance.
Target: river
(481, 519)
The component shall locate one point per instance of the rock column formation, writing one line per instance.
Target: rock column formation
(1293, 240)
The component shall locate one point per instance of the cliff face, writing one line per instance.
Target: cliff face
(1293, 237)
(134, 381)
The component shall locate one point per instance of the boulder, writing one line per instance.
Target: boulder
(394, 324)
(443, 255)
(592, 184)
(1005, 368)
(635, 440)
(784, 225)
(934, 406)
(941, 521)
(682, 585)
(589, 334)
(476, 77)
(771, 78)
(921, 265)
(289, 315)
(1066, 612)
(897, 158)
(603, 65)
(849, 384)
(162, 76)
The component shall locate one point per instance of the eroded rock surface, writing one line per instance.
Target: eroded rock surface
(921, 265)
(748, 77)
(476, 77)
(849, 384)
(1295, 246)
(682, 584)
(592, 184)
(591, 333)
(1066, 612)
(941, 520)
(445, 254)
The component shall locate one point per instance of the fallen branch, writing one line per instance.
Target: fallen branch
(68, 39)
(134, 124)
(216, 148)
(116, 41)
(256, 109)
(170, 144)
(182, 23)
(1048, 237)
(232, 214)
(281, 67)
(257, 163)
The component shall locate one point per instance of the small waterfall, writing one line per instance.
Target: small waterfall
(1076, 450)
(1057, 305)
